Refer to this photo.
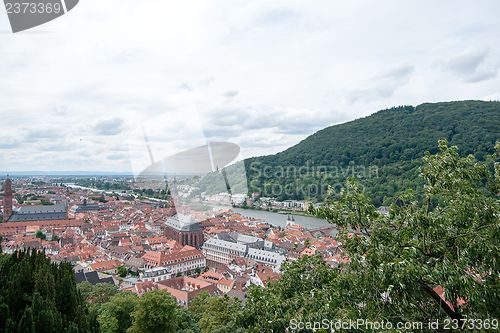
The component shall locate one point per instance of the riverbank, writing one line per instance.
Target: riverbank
(280, 220)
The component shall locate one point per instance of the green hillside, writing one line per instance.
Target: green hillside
(383, 150)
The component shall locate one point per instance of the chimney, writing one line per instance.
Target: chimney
(7, 199)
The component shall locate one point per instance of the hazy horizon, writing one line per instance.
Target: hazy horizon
(86, 90)
(62, 172)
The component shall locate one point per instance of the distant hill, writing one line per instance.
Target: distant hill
(391, 141)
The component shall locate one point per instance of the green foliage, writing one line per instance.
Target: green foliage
(41, 235)
(157, 311)
(214, 182)
(96, 295)
(19, 198)
(101, 199)
(115, 315)
(215, 314)
(46, 202)
(352, 209)
(186, 322)
(26, 324)
(306, 291)
(103, 184)
(122, 271)
(126, 312)
(38, 296)
(383, 151)
(448, 240)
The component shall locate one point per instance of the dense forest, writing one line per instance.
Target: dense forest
(382, 150)
(39, 296)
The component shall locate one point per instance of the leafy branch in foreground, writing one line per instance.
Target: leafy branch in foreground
(450, 242)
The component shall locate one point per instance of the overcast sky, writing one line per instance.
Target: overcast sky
(78, 93)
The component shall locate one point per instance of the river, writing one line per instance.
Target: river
(279, 220)
(272, 218)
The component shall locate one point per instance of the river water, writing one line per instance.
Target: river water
(279, 220)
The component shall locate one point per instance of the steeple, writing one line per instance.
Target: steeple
(7, 199)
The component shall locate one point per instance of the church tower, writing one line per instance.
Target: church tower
(7, 199)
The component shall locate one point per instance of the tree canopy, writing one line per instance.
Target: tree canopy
(39, 296)
(157, 311)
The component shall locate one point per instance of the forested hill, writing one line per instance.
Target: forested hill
(393, 140)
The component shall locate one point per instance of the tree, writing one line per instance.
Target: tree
(41, 235)
(39, 293)
(115, 315)
(46, 202)
(309, 290)
(214, 313)
(4, 315)
(157, 311)
(448, 242)
(97, 295)
(307, 243)
(19, 198)
(101, 198)
(186, 322)
(122, 271)
(26, 324)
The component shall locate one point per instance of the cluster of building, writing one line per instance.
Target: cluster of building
(140, 246)
(268, 202)
(240, 199)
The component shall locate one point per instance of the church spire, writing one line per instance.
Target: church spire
(7, 199)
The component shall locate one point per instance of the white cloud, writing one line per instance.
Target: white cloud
(111, 126)
(473, 66)
(263, 74)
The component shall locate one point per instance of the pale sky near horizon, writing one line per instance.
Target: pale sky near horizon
(78, 92)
